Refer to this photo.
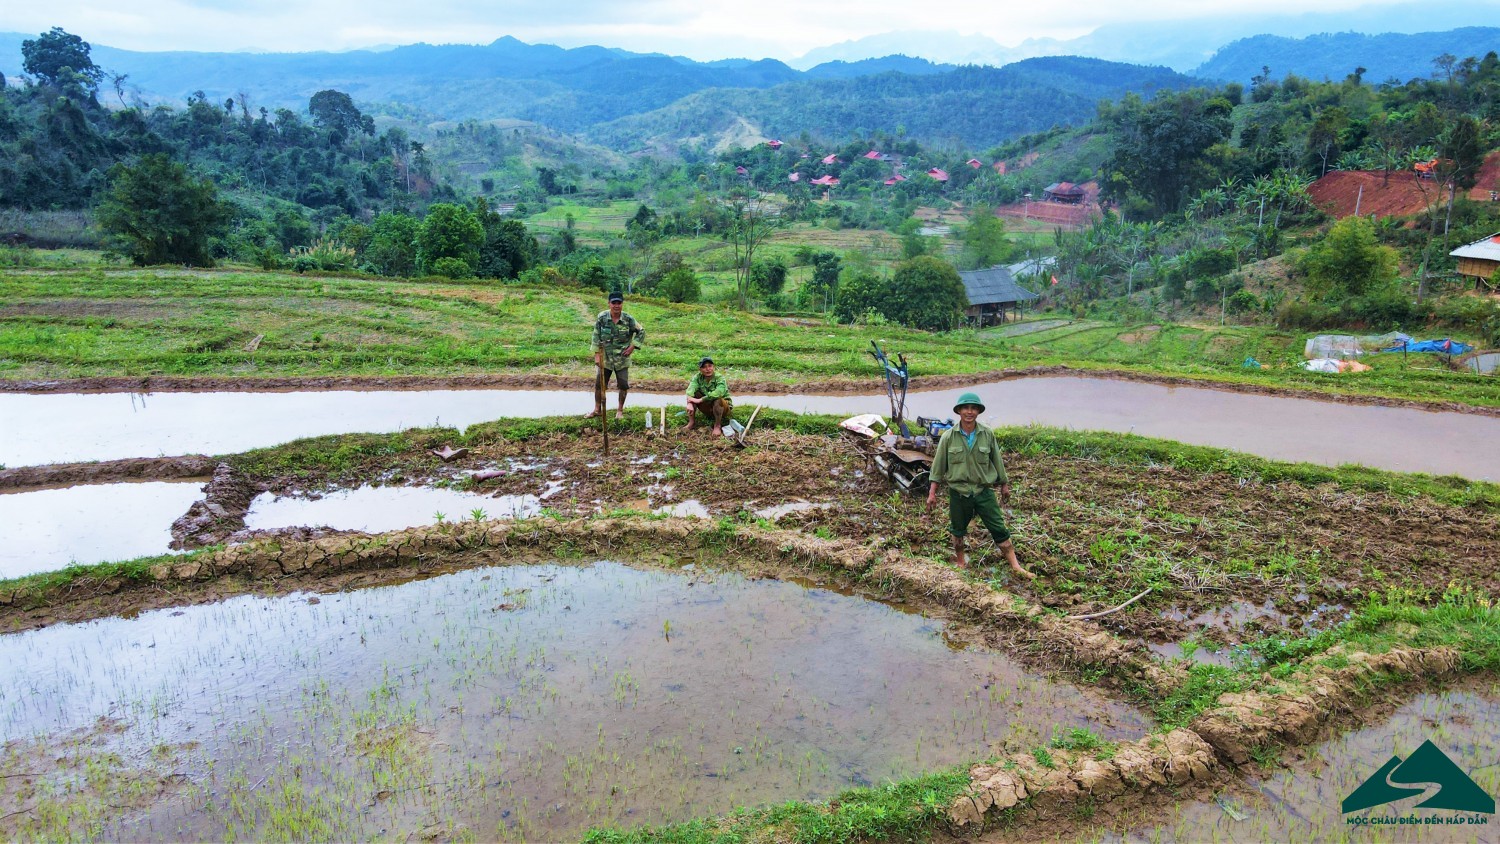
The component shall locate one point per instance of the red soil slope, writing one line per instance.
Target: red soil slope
(1489, 179)
(1397, 196)
(1400, 195)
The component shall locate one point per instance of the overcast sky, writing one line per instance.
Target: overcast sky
(782, 29)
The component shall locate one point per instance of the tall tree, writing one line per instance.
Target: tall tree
(50, 54)
(751, 221)
(984, 240)
(449, 232)
(159, 214)
(1161, 147)
(335, 111)
(926, 292)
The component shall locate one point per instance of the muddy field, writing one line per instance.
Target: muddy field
(1222, 562)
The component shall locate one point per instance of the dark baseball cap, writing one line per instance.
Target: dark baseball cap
(706, 359)
(616, 296)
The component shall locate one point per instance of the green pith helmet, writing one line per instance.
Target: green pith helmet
(969, 398)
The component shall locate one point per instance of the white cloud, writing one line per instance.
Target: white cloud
(768, 28)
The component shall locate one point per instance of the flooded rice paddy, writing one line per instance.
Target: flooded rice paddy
(54, 428)
(512, 703)
(381, 509)
(49, 529)
(1301, 802)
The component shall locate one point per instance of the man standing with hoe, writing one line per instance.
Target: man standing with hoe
(616, 336)
(968, 461)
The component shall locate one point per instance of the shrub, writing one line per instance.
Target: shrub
(1242, 302)
(450, 267)
(681, 285)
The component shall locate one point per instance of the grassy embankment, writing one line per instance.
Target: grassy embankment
(120, 322)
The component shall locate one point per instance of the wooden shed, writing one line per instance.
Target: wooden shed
(1480, 259)
(992, 292)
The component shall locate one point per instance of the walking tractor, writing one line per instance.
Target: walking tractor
(903, 453)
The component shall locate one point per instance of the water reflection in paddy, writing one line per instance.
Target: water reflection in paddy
(529, 701)
(381, 509)
(69, 427)
(1302, 801)
(46, 530)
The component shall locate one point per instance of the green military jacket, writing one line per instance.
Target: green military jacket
(614, 337)
(708, 388)
(968, 470)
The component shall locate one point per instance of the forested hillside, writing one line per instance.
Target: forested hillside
(975, 106)
(578, 90)
(1332, 56)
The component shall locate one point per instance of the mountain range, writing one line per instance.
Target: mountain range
(632, 101)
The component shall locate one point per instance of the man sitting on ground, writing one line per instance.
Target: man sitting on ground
(708, 394)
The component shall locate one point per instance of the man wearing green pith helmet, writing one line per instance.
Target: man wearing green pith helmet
(968, 461)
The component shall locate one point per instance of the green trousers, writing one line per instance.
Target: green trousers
(963, 508)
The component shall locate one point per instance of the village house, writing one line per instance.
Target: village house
(1065, 192)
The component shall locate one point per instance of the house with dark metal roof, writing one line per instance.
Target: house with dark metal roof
(992, 292)
(1064, 192)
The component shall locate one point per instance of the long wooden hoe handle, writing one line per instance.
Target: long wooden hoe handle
(601, 405)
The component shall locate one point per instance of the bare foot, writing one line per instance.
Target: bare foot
(717, 431)
(961, 562)
(619, 416)
(1023, 573)
(691, 426)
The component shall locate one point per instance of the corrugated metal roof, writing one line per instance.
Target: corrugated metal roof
(993, 286)
(1487, 249)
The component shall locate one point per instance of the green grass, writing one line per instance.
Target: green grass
(896, 811)
(129, 322)
(33, 589)
(1463, 618)
(1217, 353)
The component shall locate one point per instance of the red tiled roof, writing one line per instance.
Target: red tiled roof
(940, 175)
(975, 163)
(795, 177)
(774, 144)
(872, 154)
(831, 159)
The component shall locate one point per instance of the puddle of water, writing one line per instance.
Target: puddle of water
(1302, 802)
(527, 702)
(775, 512)
(46, 530)
(1231, 617)
(689, 509)
(379, 509)
(1202, 655)
(71, 427)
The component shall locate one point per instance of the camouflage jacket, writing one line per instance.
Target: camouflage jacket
(614, 337)
(708, 388)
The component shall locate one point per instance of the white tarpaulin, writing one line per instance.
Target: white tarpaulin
(1350, 346)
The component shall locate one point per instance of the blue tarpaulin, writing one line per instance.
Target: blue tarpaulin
(1444, 346)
